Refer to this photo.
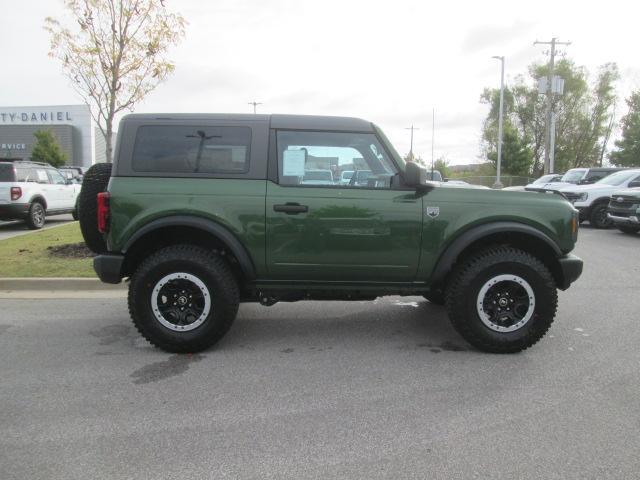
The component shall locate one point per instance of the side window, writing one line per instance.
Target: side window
(24, 174)
(56, 178)
(41, 176)
(346, 160)
(192, 149)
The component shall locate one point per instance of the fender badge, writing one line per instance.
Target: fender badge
(433, 212)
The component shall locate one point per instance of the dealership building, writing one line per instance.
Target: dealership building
(72, 125)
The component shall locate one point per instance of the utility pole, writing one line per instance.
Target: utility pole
(498, 184)
(255, 104)
(547, 134)
(412, 128)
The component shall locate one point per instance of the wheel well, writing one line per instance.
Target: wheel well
(523, 241)
(173, 235)
(39, 199)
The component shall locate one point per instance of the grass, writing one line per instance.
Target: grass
(27, 255)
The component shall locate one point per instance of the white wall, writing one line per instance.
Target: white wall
(78, 116)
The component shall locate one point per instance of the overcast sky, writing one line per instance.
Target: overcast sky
(390, 62)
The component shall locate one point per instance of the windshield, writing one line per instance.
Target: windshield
(347, 175)
(574, 175)
(545, 179)
(618, 178)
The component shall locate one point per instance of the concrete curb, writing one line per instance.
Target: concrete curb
(72, 284)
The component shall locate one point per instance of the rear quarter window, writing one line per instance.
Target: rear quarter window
(192, 149)
(7, 173)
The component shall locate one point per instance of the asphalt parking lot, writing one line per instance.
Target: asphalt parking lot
(381, 389)
(16, 228)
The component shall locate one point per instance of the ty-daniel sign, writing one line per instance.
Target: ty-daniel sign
(34, 117)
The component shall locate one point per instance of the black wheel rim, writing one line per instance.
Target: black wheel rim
(181, 301)
(505, 303)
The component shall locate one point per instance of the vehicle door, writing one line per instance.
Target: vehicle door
(45, 187)
(340, 232)
(62, 192)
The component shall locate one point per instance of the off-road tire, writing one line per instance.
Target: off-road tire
(209, 268)
(473, 272)
(436, 297)
(598, 216)
(36, 217)
(628, 229)
(95, 181)
(74, 214)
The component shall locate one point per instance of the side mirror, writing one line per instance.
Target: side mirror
(634, 184)
(415, 176)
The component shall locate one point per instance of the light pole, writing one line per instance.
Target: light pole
(255, 104)
(498, 184)
(412, 128)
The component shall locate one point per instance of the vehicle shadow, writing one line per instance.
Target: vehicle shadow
(386, 325)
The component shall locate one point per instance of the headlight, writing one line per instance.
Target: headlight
(582, 197)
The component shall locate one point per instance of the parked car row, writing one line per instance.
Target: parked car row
(30, 191)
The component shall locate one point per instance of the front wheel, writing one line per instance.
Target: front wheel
(598, 217)
(183, 298)
(502, 300)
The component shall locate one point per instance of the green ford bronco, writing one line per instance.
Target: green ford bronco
(201, 212)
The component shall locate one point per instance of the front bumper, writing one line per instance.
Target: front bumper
(630, 220)
(14, 211)
(571, 269)
(108, 267)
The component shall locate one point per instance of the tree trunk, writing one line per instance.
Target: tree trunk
(107, 141)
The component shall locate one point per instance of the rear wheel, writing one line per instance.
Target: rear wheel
(36, 216)
(183, 298)
(628, 229)
(598, 217)
(502, 300)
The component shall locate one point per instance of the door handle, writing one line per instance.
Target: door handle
(291, 208)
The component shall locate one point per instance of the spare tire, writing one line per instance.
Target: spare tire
(95, 181)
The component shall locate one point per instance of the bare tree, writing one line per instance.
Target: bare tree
(117, 55)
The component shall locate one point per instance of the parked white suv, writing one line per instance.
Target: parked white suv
(592, 200)
(30, 191)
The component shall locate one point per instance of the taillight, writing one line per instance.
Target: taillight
(103, 212)
(16, 193)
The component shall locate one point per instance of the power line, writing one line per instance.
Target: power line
(255, 104)
(548, 154)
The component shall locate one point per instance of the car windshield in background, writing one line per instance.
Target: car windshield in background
(573, 176)
(618, 178)
(6, 173)
(324, 176)
(545, 179)
(347, 175)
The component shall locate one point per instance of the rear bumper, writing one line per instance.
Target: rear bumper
(14, 211)
(571, 268)
(108, 267)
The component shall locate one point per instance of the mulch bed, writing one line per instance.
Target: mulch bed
(71, 250)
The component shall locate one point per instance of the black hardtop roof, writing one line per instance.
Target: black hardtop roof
(297, 122)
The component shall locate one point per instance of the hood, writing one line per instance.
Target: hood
(586, 188)
(627, 192)
(551, 186)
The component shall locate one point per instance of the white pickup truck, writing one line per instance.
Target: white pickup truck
(592, 200)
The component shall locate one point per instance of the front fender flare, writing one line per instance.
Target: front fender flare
(449, 256)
